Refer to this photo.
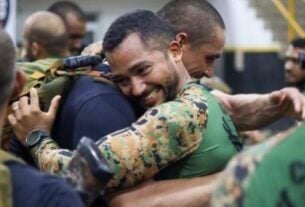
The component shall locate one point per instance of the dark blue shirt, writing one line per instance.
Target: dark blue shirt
(92, 109)
(33, 188)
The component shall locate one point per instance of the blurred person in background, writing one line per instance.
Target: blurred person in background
(41, 40)
(75, 20)
(294, 71)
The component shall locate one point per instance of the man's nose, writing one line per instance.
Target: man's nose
(209, 70)
(288, 65)
(138, 87)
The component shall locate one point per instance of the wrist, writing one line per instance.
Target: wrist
(35, 137)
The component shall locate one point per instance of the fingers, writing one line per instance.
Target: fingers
(302, 108)
(18, 130)
(93, 49)
(294, 102)
(34, 99)
(16, 110)
(12, 119)
(23, 105)
(54, 105)
(15, 105)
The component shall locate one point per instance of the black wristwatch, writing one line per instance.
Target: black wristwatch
(35, 137)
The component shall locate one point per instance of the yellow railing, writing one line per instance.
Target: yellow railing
(289, 14)
(291, 10)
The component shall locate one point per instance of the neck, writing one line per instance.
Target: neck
(186, 78)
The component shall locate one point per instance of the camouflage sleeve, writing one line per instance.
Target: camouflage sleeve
(164, 134)
(238, 173)
(48, 157)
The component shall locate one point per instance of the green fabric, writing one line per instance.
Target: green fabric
(5, 179)
(279, 179)
(29, 68)
(269, 174)
(215, 150)
(48, 86)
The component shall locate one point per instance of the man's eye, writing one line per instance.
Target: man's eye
(293, 60)
(212, 58)
(120, 81)
(143, 71)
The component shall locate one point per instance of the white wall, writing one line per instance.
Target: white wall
(8, 9)
(107, 10)
(243, 27)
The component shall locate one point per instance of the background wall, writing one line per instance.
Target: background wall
(243, 27)
(104, 11)
(251, 62)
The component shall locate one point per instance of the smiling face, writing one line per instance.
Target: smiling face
(293, 71)
(149, 76)
(200, 61)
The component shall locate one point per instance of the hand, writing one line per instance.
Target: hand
(28, 116)
(292, 102)
(93, 49)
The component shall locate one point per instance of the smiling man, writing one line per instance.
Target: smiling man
(176, 132)
(201, 31)
(150, 81)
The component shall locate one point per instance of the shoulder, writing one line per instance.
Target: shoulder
(86, 87)
(261, 164)
(33, 188)
(97, 95)
(236, 176)
(187, 110)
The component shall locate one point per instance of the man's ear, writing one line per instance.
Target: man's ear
(36, 49)
(182, 38)
(176, 50)
(19, 84)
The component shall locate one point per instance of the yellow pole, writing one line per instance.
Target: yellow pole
(279, 5)
(291, 9)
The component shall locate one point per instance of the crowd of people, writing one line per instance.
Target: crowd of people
(169, 139)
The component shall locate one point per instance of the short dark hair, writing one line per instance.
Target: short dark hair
(298, 42)
(197, 18)
(152, 30)
(62, 8)
(55, 45)
(7, 66)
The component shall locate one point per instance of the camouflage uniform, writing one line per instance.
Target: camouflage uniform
(163, 135)
(269, 174)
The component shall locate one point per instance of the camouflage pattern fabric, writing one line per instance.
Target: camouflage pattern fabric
(218, 147)
(260, 177)
(163, 135)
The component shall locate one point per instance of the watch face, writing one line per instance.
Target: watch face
(34, 137)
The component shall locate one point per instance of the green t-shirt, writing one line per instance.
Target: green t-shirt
(220, 143)
(269, 174)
